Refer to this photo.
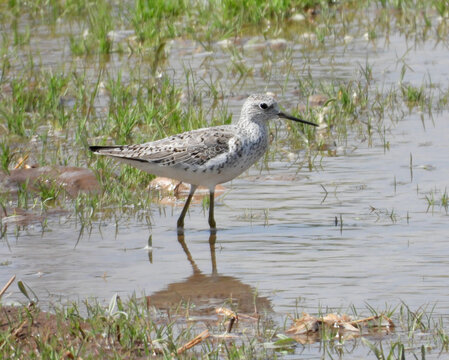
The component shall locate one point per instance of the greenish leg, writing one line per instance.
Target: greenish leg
(186, 206)
(212, 223)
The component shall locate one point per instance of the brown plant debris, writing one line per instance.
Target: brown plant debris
(7, 285)
(195, 341)
(233, 317)
(226, 312)
(308, 324)
(222, 311)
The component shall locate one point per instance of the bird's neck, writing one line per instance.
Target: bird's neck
(253, 129)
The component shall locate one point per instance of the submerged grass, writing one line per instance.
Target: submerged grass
(135, 329)
(131, 329)
(95, 36)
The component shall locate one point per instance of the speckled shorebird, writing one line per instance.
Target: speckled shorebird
(207, 156)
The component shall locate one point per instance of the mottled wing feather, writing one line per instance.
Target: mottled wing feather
(193, 148)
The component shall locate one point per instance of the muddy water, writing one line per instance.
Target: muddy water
(356, 229)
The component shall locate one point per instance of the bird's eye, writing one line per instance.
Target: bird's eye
(263, 106)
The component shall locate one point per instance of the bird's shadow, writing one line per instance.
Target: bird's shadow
(207, 292)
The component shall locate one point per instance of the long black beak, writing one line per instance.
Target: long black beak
(290, 117)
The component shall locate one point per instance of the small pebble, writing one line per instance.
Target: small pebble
(298, 17)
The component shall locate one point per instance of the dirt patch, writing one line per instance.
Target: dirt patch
(72, 179)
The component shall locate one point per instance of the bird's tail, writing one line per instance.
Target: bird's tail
(100, 149)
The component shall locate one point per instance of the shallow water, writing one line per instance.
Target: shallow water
(276, 235)
(279, 231)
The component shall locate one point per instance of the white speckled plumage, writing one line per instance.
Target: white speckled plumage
(207, 156)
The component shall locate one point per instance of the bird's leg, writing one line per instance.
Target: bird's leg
(212, 223)
(186, 206)
(212, 239)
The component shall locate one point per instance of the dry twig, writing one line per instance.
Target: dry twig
(204, 335)
(8, 284)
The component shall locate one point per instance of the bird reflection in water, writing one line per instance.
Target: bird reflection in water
(207, 292)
